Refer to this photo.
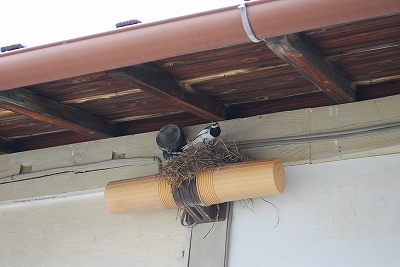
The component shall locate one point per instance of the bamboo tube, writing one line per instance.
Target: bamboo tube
(227, 183)
(138, 194)
(240, 181)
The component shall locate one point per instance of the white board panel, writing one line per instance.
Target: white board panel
(343, 213)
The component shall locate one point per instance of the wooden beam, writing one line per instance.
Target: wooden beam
(378, 90)
(40, 108)
(49, 140)
(312, 100)
(126, 128)
(297, 52)
(182, 120)
(163, 86)
(6, 145)
(155, 124)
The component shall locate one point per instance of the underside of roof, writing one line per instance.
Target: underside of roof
(343, 63)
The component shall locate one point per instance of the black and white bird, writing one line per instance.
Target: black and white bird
(206, 136)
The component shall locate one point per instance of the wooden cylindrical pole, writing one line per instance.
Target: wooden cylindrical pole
(227, 183)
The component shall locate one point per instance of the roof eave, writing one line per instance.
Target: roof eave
(184, 35)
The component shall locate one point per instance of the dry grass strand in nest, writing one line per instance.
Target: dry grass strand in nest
(187, 164)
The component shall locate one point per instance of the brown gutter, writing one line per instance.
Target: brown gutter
(183, 35)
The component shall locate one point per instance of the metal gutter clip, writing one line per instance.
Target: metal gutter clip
(246, 24)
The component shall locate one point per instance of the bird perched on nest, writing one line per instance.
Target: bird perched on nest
(206, 136)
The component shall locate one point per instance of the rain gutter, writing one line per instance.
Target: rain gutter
(179, 36)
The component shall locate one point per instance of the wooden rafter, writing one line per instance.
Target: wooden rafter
(48, 140)
(25, 102)
(6, 145)
(154, 124)
(163, 86)
(127, 128)
(297, 52)
(311, 100)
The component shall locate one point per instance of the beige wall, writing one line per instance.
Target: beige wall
(79, 231)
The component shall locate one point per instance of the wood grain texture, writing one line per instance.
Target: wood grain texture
(302, 101)
(344, 38)
(6, 145)
(21, 126)
(247, 56)
(59, 138)
(149, 125)
(267, 86)
(163, 86)
(43, 141)
(294, 50)
(379, 90)
(371, 64)
(40, 108)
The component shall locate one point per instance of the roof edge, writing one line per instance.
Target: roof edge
(179, 36)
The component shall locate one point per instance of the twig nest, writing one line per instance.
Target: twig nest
(187, 164)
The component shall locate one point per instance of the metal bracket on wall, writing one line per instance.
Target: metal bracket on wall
(186, 197)
(201, 214)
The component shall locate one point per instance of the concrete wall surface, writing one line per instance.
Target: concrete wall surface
(79, 231)
(344, 213)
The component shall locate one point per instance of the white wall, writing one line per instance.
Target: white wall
(344, 213)
(79, 231)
